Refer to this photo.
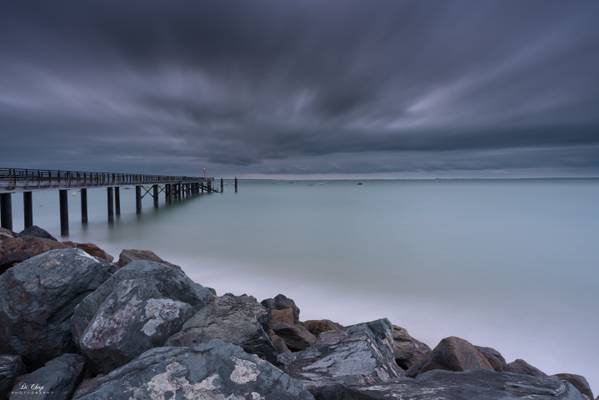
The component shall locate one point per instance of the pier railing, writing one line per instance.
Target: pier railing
(12, 179)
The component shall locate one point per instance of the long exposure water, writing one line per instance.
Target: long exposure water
(511, 264)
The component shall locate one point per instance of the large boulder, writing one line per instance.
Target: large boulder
(92, 250)
(56, 380)
(469, 385)
(37, 299)
(282, 302)
(317, 326)
(452, 354)
(36, 231)
(296, 337)
(213, 370)
(406, 349)
(579, 382)
(360, 354)
(235, 319)
(129, 255)
(17, 249)
(137, 308)
(493, 357)
(11, 367)
(520, 366)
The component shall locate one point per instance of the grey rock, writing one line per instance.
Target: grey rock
(11, 367)
(451, 354)
(129, 255)
(493, 357)
(579, 382)
(446, 385)
(235, 319)
(296, 337)
(406, 349)
(360, 354)
(317, 326)
(137, 308)
(213, 370)
(56, 380)
(37, 299)
(281, 302)
(36, 231)
(17, 249)
(520, 366)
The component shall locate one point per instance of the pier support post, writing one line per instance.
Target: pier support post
(209, 186)
(84, 206)
(27, 209)
(235, 184)
(6, 210)
(155, 195)
(138, 199)
(202, 188)
(222, 185)
(63, 196)
(167, 193)
(117, 200)
(110, 203)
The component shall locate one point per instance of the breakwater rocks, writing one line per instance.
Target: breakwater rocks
(76, 325)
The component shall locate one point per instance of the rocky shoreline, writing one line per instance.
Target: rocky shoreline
(74, 324)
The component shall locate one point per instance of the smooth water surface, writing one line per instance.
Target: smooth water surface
(511, 264)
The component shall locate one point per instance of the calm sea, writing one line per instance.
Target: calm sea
(512, 264)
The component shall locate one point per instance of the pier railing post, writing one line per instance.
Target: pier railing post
(110, 203)
(84, 205)
(6, 210)
(138, 199)
(117, 200)
(27, 209)
(64, 212)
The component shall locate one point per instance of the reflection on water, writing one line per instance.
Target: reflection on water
(509, 264)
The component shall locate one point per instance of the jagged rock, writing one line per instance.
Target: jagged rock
(296, 337)
(493, 357)
(137, 308)
(317, 326)
(284, 316)
(278, 342)
(6, 234)
(18, 249)
(281, 302)
(235, 319)
(37, 298)
(520, 366)
(11, 367)
(129, 255)
(579, 382)
(213, 370)
(446, 385)
(56, 380)
(92, 250)
(406, 349)
(36, 231)
(452, 354)
(360, 354)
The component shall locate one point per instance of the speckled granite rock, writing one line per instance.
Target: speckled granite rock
(138, 308)
(213, 370)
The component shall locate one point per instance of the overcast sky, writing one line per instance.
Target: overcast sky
(388, 88)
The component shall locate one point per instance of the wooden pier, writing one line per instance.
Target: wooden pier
(26, 181)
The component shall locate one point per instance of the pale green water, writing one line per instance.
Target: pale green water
(508, 264)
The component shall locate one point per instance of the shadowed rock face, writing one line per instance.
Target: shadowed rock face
(407, 350)
(447, 385)
(493, 357)
(360, 354)
(520, 366)
(579, 382)
(11, 367)
(37, 299)
(58, 378)
(317, 326)
(138, 308)
(213, 370)
(452, 354)
(129, 255)
(282, 302)
(36, 231)
(235, 319)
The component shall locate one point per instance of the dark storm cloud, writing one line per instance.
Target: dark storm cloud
(287, 87)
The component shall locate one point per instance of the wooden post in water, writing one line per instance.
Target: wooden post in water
(209, 186)
(117, 200)
(63, 196)
(167, 193)
(6, 210)
(235, 184)
(222, 185)
(155, 195)
(110, 203)
(84, 206)
(27, 209)
(138, 199)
